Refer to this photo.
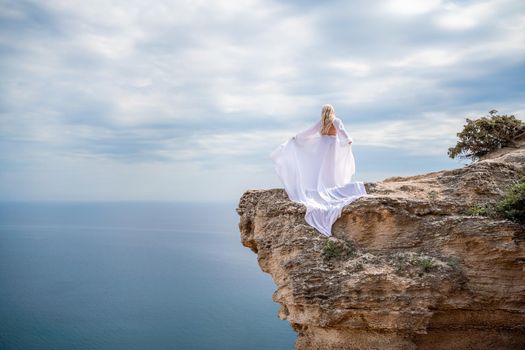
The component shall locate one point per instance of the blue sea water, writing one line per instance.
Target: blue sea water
(132, 275)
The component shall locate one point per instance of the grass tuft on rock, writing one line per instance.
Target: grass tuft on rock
(511, 205)
(432, 196)
(425, 264)
(478, 210)
(337, 249)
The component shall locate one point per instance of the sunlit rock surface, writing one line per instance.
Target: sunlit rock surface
(409, 269)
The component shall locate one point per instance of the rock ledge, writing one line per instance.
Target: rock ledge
(406, 268)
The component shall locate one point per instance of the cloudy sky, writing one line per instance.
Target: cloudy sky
(185, 100)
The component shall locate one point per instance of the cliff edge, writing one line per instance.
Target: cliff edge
(406, 268)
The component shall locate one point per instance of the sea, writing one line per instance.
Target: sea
(132, 275)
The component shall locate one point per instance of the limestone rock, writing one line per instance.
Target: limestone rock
(406, 267)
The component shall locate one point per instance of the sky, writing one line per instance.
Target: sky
(185, 100)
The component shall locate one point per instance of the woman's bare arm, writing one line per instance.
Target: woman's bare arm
(343, 134)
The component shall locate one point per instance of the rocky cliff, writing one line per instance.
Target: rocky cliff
(406, 267)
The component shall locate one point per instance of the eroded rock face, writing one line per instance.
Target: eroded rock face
(406, 268)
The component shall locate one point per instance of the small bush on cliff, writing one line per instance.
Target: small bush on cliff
(432, 195)
(453, 261)
(338, 249)
(512, 205)
(399, 262)
(426, 264)
(330, 249)
(486, 134)
(403, 263)
(479, 210)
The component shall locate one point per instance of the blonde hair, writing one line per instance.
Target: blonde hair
(327, 117)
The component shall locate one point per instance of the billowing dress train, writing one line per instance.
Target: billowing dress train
(316, 170)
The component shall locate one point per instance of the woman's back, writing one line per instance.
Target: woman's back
(332, 131)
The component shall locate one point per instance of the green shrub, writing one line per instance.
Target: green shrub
(339, 249)
(486, 134)
(399, 262)
(358, 267)
(404, 263)
(512, 204)
(331, 250)
(453, 261)
(478, 210)
(432, 195)
(426, 264)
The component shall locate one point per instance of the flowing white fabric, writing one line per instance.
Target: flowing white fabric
(316, 170)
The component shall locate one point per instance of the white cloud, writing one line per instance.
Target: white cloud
(350, 67)
(106, 89)
(213, 65)
(431, 134)
(429, 58)
(411, 7)
(457, 17)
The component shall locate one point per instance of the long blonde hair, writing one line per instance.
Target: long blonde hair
(327, 117)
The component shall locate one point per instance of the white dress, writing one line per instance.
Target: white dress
(316, 170)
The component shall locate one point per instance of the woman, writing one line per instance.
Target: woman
(316, 168)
